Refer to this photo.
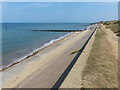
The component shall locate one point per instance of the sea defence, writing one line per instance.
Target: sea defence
(60, 30)
(65, 30)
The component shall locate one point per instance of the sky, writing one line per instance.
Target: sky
(60, 0)
(35, 12)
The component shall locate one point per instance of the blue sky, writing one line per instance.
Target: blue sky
(59, 11)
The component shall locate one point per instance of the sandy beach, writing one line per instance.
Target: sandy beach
(46, 66)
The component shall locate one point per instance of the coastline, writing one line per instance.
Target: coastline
(30, 59)
(19, 72)
(53, 41)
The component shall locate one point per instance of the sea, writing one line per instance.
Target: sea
(19, 41)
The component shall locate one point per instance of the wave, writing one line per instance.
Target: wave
(33, 52)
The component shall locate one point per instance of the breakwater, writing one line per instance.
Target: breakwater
(59, 30)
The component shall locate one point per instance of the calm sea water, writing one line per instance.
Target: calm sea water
(18, 41)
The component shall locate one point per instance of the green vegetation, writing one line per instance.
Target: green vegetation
(101, 68)
(114, 26)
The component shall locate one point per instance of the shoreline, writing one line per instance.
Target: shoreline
(27, 63)
(12, 77)
(36, 51)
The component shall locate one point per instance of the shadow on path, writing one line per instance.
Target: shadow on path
(68, 69)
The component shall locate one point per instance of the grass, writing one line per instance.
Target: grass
(114, 26)
(101, 68)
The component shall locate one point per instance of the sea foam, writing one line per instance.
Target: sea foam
(34, 51)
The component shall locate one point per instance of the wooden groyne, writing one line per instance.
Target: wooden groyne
(59, 30)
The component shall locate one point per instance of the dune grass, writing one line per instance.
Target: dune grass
(114, 26)
(101, 68)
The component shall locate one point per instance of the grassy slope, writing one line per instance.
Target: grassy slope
(114, 26)
(101, 68)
